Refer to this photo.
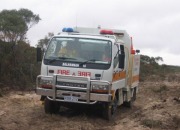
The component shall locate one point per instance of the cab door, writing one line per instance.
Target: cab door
(119, 73)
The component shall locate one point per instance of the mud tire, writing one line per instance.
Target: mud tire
(131, 102)
(51, 107)
(109, 109)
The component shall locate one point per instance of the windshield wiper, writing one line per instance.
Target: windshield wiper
(87, 61)
(63, 58)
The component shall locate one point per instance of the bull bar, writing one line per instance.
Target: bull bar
(62, 88)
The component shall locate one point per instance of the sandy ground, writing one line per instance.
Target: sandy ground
(157, 107)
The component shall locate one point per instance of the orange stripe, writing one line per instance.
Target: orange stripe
(135, 78)
(118, 76)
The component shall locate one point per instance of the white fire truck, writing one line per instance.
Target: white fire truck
(89, 66)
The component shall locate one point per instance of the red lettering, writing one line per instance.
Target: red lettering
(79, 73)
(63, 72)
(85, 74)
(89, 74)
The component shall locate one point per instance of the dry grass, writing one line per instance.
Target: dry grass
(176, 120)
(160, 89)
(151, 123)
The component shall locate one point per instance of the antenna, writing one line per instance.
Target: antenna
(76, 20)
(99, 27)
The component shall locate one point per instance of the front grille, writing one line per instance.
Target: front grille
(71, 84)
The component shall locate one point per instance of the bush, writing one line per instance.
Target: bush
(18, 66)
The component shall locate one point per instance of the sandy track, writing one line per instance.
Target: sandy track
(157, 107)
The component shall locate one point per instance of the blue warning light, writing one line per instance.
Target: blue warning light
(67, 30)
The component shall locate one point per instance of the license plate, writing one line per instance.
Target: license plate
(70, 98)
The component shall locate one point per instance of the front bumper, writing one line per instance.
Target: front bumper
(83, 95)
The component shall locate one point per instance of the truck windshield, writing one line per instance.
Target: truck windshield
(79, 50)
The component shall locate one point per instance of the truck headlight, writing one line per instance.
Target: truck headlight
(44, 83)
(99, 87)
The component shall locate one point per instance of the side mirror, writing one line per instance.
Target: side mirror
(121, 61)
(38, 54)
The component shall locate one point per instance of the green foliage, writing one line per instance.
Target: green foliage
(149, 68)
(29, 18)
(43, 42)
(14, 24)
(18, 66)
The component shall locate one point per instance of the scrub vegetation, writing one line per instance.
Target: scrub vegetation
(18, 66)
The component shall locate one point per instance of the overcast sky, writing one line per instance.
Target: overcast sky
(153, 24)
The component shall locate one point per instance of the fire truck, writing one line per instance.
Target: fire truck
(89, 66)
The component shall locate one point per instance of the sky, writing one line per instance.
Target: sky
(153, 24)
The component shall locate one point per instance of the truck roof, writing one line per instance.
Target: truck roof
(84, 32)
(86, 35)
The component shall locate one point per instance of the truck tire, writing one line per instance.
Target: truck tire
(131, 102)
(51, 107)
(128, 104)
(134, 95)
(109, 109)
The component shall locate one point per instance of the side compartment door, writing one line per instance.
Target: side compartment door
(135, 71)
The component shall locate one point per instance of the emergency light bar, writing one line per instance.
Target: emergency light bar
(67, 30)
(109, 32)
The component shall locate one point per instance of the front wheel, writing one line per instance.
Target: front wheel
(109, 109)
(51, 107)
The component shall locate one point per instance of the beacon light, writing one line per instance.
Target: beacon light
(64, 30)
(67, 30)
(110, 32)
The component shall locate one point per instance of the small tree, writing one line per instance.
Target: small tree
(44, 42)
(14, 24)
(18, 60)
(149, 66)
(158, 59)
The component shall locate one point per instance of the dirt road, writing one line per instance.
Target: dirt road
(157, 107)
